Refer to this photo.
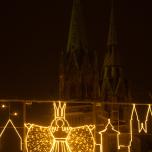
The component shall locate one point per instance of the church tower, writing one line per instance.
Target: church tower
(114, 86)
(78, 78)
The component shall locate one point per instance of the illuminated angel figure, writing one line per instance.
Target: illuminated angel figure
(59, 136)
(59, 129)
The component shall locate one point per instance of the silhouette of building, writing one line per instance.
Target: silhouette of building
(82, 79)
(79, 75)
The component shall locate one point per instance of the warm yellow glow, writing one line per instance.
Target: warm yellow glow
(105, 130)
(80, 139)
(59, 136)
(15, 114)
(142, 126)
(3, 106)
(38, 139)
(6, 125)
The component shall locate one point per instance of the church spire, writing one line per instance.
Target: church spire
(112, 78)
(78, 80)
(112, 56)
(112, 38)
(76, 39)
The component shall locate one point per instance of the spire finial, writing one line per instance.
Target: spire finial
(112, 37)
(76, 39)
(112, 57)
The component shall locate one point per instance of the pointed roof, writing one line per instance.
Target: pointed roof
(109, 128)
(112, 37)
(113, 82)
(112, 56)
(76, 39)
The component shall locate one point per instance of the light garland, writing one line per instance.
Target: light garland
(109, 125)
(142, 126)
(59, 136)
(80, 139)
(38, 138)
(11, 122)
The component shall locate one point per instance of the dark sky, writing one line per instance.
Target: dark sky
(33, 32)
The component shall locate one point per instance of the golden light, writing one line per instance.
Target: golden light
(59, 136)
(15, 129)
(15, 114)
(108, 127)
(3, 106)
(141, 126)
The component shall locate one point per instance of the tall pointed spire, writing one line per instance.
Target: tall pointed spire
(112, 57)
(78, 78)
(75, 55)
(113, 82)
(112, 37)
(76, 39)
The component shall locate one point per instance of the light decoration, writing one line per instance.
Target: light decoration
(3, 106)
(141, 126)
(80, 139)
(38, 138)
(109, 125)
(6, 125)
(59, 136)
(15, 114)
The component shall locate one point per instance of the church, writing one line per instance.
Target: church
(99, 92)
(95, 111)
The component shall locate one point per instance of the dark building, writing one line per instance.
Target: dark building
(81, 78)
(79, 75)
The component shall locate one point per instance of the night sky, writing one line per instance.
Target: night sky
(33, 33)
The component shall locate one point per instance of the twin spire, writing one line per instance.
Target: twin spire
(79, 63)
(76, 39)
(114, 86)
(77, 35)
(112, 36)
(112, 56)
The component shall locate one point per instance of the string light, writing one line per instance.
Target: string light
(15, 114)
(59, 136)
(6, 125)
(109, 125)
(3, 106)
(38, 139)
(142, 126)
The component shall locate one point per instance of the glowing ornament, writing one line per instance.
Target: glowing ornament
(59, 136)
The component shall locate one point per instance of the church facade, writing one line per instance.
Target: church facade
(81, 79)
